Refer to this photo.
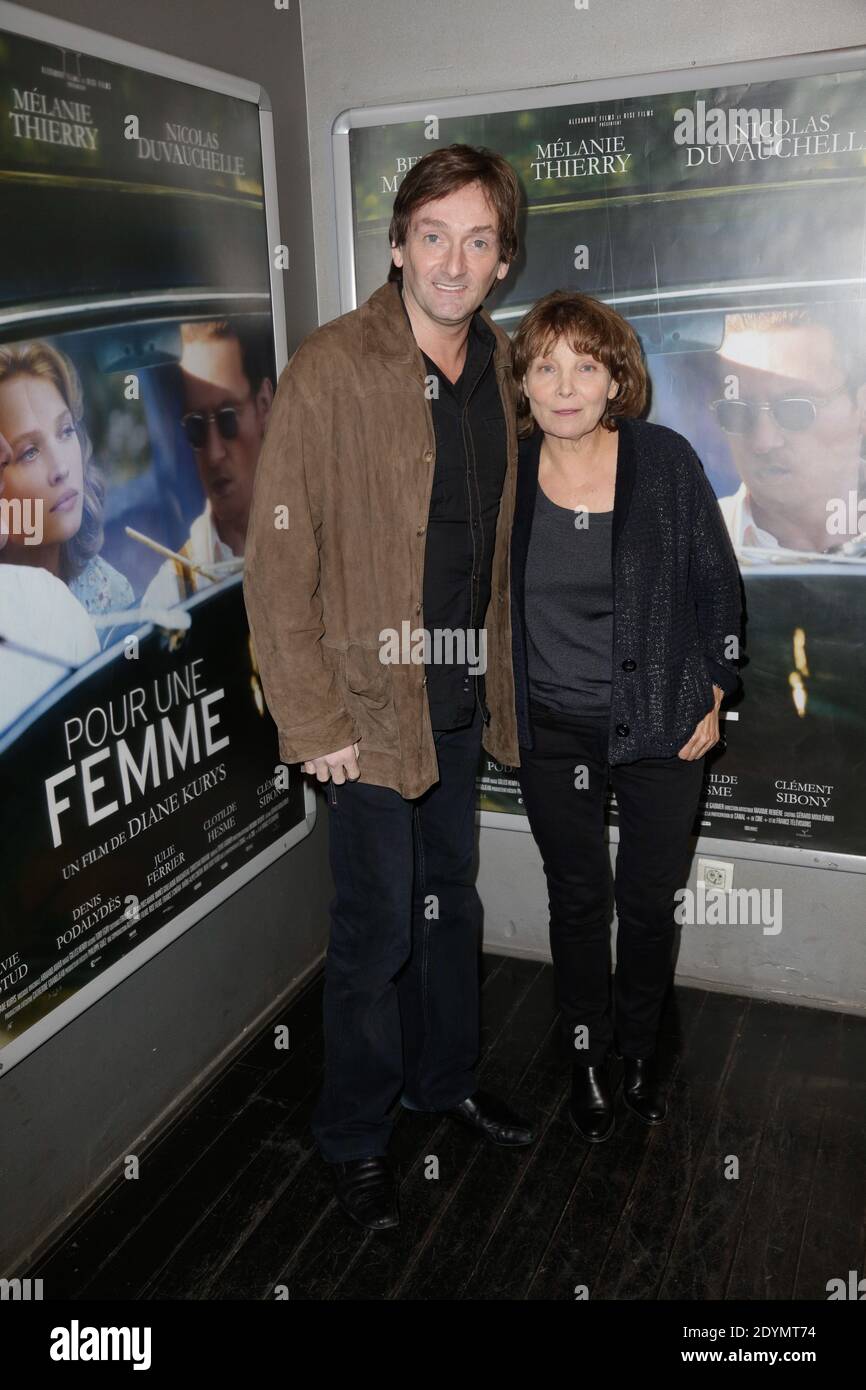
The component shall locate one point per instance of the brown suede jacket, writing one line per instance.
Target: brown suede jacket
(335, 549)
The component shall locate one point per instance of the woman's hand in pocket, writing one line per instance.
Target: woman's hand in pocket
(706, 734)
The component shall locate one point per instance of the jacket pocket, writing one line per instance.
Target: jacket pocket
(369, 696)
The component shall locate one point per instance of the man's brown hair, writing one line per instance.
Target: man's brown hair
(588, 326)
(444, 171)
(256, 353)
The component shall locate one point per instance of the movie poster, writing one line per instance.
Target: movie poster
(140, 768)
(728, 226)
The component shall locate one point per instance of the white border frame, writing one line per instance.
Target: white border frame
(57, 32)
(561, 94)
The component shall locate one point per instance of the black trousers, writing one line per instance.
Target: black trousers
(564, 781)
(401, 1006)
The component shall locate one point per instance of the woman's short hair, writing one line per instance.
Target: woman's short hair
(589, 326)
(42, 360)
(444, 171)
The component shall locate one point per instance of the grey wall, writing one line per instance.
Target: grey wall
(818, 957)
(101, 1087)
(410, 50)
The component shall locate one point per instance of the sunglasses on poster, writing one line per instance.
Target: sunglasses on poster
(195, 424)
(791, 413)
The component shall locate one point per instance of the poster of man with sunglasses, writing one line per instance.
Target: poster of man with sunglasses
(227, 389)
(793, 410)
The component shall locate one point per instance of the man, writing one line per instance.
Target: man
(228, 394)
(794, 425)
(392, 443)
(793, 414)
(44, 630)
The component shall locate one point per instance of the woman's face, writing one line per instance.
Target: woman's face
(45, 472)
(568, 391)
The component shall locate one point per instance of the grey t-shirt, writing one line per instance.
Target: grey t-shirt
(569, 608)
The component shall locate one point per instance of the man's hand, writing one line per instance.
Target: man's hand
(340, 766)
(706, 733)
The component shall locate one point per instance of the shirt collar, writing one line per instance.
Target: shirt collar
(206, 540)
(748, 530)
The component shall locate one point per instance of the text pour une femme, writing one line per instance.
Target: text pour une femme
(113, 774)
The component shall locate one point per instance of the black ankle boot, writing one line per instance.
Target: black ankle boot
(641, 1091)
(591, 1107)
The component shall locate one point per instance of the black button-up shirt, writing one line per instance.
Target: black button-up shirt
(468, 477)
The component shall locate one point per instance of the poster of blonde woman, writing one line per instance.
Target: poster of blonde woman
(141, 771)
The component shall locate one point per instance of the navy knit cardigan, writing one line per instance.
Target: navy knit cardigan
(677, 593)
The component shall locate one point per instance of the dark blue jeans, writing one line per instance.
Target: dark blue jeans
(401, 973)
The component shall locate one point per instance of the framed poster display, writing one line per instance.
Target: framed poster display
(142, 331)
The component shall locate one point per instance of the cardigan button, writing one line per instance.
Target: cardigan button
(623, 730)
(629, 665)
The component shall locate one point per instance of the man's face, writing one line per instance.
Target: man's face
(784, 467)
(213, 378)
(451, 256)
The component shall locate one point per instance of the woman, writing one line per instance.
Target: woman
(45, 632)
(51, 476)
(626, 621)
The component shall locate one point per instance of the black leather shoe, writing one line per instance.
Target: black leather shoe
(491, 1119)
(591, 1107)
(367, 1191)
(641, 1092)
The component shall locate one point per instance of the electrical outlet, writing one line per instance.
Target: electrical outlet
(716, 873)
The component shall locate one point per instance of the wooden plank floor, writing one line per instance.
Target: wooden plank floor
(233, 1200)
